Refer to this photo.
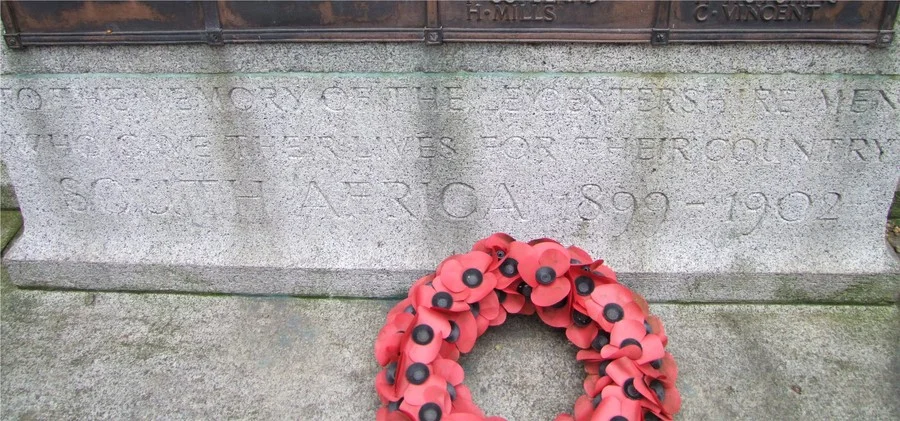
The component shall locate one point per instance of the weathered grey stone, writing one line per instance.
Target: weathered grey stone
(694, 187)
(77, 355)
(415, 57)
(7, 193)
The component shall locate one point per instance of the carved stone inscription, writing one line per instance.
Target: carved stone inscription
(670, 166)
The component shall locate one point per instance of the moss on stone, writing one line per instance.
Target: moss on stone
(10, 222)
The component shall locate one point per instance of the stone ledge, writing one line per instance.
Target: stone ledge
(874, 287)
(125, 355)
(416, 57)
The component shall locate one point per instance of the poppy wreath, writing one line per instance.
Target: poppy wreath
(630, 376)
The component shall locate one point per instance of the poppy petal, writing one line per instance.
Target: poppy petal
(513, 303)
(387, 346)
(582, 336)
(433, 390)
(499, 320)
(483, 324)
(651, 349)
(557, 317)
(553, 256)
(607, 409)
(385, 390)
(577, 253)
(621, 370)
(449, 370)
(626, 329)
(468, 331)
(449, 351)
(489, 306)
(583, 408)
(423, 353)
(548, 295)
(451, 275)
(672, 403)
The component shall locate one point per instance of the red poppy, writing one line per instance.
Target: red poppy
(465, 276)
(537, 241)
(594, 384)
(597, 379)
(614, 403)
(462, 336)
(428, 296)
(387, 344)
(664, 369)
(655, 326)
(512, 300)
(666, 400)
(582, 329)
(612, 303)
(543, 267)
(404, 306)
(629, 339)
(390, 413)
(464, 403)
(420, 384)
(582, 336)
(625, 374)
(460, 397)
(426, 335)
(497, 245)
(426, 411)
(655, 415)
(584, 265)
(488, 312)
(558, 314)
(584, 407)
(386, 382)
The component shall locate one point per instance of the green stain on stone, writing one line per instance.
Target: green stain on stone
(869, 292)
(10, 222)
(786, 292)
(894, 213)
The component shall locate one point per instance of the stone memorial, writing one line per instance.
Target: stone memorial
(736, 172)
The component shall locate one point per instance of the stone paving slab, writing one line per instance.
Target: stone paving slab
(68, 355)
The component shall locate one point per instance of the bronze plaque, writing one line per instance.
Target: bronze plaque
(435, 21)
(547, 20)
(322, 20)
(779, 20)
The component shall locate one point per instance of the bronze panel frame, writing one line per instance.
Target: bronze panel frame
(661, 30)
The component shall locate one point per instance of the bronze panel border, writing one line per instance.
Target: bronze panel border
(432, 32)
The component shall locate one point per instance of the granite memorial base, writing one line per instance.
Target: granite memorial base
(693, 186)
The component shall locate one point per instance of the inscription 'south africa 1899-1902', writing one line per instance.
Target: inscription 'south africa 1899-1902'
(268, 171)
(436, 21)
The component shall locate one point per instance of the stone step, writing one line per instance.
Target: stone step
(78, 355)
